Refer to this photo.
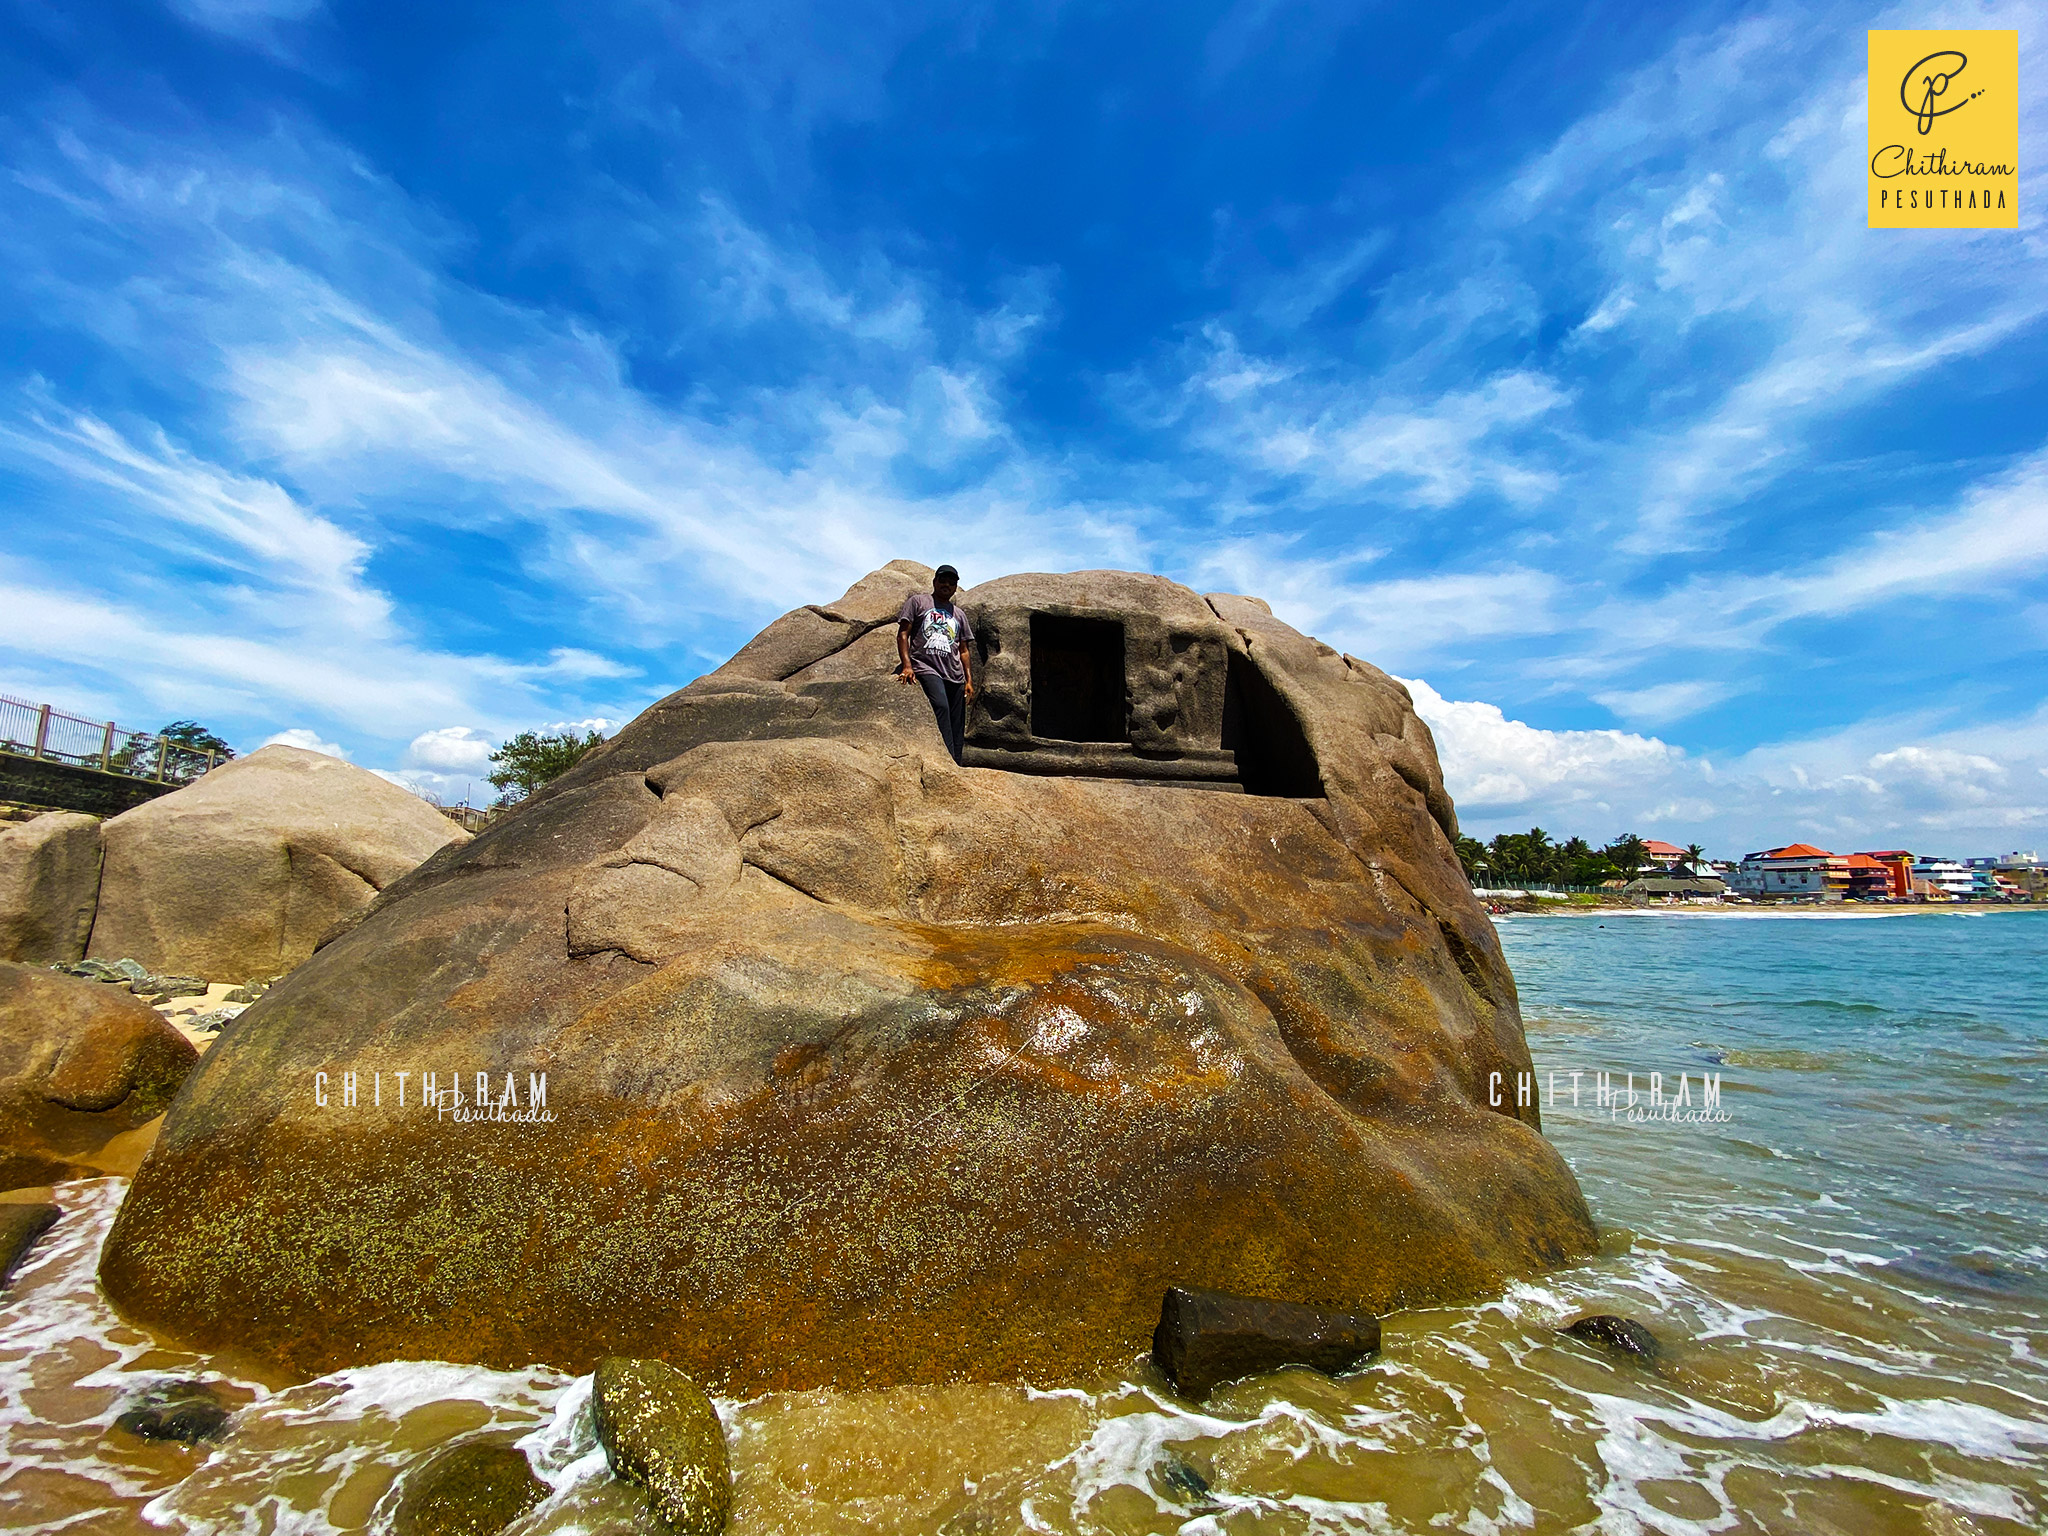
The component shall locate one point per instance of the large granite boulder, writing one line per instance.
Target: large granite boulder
(236, 876)
(80, 1064)
(790, 1052)
(49, 886)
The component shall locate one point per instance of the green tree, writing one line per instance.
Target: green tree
(183, 746)
(530, 759)
(1526, 858)
(1470, 852)
(1695, 856)
(1627, 854)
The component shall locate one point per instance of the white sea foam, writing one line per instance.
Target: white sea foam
(1124, 1449)
(56, 1312)
(293, 1455)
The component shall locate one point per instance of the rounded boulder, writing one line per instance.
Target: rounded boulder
(770, 1042)
(236, 876)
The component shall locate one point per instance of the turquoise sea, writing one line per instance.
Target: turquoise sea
(1849, 1273)
(1856, 1261)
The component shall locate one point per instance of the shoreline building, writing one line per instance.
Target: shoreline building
(1897, 866)
(2024, 873)
(1797, 870)
(1950, 880)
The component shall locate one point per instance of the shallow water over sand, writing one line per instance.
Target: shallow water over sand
(1850, 1273)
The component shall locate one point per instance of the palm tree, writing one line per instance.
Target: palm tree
(1695, 855)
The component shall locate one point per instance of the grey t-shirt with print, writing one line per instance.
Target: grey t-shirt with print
(936, 635)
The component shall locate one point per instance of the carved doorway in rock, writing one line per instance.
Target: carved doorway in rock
(1077, 679)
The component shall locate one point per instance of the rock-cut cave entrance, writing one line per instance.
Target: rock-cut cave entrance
(1077, 679)
(1126, 696)
(1272, 750)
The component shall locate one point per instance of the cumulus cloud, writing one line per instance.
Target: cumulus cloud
(1496, 766)
(451, 749)
(1954, 790)
(306, 740)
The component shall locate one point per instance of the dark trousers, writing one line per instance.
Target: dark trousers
(949, 703)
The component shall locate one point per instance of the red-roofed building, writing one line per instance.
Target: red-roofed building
(1897, 865)
(1797, 870)
(1662, 853)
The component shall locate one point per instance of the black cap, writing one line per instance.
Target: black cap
(943, 572)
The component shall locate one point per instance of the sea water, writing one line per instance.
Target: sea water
(1846, 1258)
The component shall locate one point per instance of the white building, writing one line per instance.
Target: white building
(1798, 869)
(1946, 876)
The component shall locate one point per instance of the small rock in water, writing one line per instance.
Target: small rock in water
(1205, 1337)
(469, 1490)
(1184, 1478)
(659, 1430)
(185, 1411)
(20, 1226)
(1621, 1335)
(1977, 1272)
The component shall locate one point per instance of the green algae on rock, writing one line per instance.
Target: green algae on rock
(790, 1052)
(659, 1430)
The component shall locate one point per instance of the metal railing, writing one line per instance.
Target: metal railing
(40, 731)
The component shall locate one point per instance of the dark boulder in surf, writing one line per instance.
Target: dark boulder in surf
(475, 1489)
(1205, 1338)
(1617, 1335)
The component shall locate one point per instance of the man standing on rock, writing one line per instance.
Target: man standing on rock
(932, 638)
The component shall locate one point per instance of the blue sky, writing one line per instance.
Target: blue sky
(404, 377)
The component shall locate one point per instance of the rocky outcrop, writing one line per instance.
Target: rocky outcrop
(812, 1057)
(236, 877)
(20, 1226)
(80, 1064)
(475, 1489)
(660, 1431)
(1205, 1338)
(49, 887)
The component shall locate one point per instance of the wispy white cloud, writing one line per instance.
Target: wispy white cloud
(1990, 541)
(1437, 452)
(361, 395)
(1395, 619)
(1663, 703)
(265, 25)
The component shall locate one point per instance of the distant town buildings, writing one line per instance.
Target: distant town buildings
(1945, 877)
(1803, 872)
(1797, 869)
